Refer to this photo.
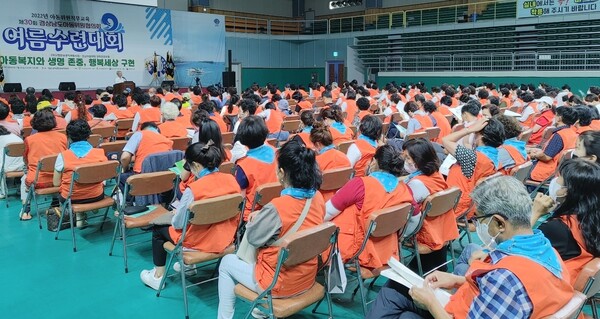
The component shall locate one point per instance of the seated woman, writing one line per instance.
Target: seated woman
(98, 113)
(203, 160)
(80, 152)
(351, 206)
(298, 172)
(258, 164)
(473, 164)
(419, 119)
(545, 119)
(169, 127)
(530, 109)
(562, 139)
(332, 117)
(512, 152)
(361, 152)
(210, 106)
(422, 163)
(12, 164)
(328, 157)
(46, 141)
(274, 118)
(573, 228)
(308, 120)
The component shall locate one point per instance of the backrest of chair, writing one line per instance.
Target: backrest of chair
(227, 167)
(105, 132)
(354, 130)
(293, 117)
(227, 137)
(291, 126)
(404, 123)
(449, 117)
(46, 163)
(96, 172)
(272, 142)
(307, 244)
(566, 154)
(458, 127)
(390, 220)
(215, 210)
(162, 160)
(14, 149)
(385, 128)
(266, 192)
(180, 143)
(415, 135)
(344, 146)
(433, 132)
(334, 179)
(381, 117)
(95, 140)
(396, 117)
(525, 135)
(572, 309)
(128, 135)
(588, 279)
(26, 131)
(521, 172)
(150, 183)
(483, 179)
(124, 124)
(113, 147)
(441, 202)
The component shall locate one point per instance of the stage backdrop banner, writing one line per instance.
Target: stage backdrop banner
(87, 42)
(531, 8)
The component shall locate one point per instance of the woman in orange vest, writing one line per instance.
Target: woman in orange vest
(80, 152)
(424, 179)
(361, 152)
(299, 175)
(46, 141)
(169, 127)
(505, 99)
(562, 139)
(350, 107)
(440, 120)
(98, 112)
(351, 206)
(301, 103)
(584, 119)
(473, 164)
(573, 227)
(258, 165)
(419, 120)
(274, 118)
(308, 120)
(211, 107)
(363, 105)
(203, 160)
(545, 119)
(523, 277)
(531, 109)
(152, 113)
(340, 132)
(328, 157)
(512, 152)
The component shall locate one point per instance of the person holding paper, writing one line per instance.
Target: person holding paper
(522, 277)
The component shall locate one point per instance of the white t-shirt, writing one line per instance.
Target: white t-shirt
(119, 80)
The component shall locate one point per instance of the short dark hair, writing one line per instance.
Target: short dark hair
(17, 107)
(483, 94)
(98, 110)
(252, 131)
(568, 114)
(120, 100)
(389, 159)
(43, 120)
(493, 133)
(307, 118)
(248, 105)
(584, 115)
(411, 106)
(494, 110)
(4, 111)
(209, 157)
(299, 165)
(371, 127)
(363, 103)
(149, 124)
(78, 130)
(429, 107)
(511, 126)
(141, 98)
(423, 154)
(472, 107)
(155, 101)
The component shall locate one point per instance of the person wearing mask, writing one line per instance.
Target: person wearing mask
(332, 117)
(512, 152)
(522, 277)
(247, 108)
(531, 108)
(469, 115)
(297, 171)
(169, 127)
(545, 119)
(419, 119)
(361, 152)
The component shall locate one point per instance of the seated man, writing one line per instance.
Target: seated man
(522, 277)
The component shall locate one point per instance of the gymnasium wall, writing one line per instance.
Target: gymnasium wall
(280, 76)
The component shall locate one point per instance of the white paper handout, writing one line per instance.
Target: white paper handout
(408, 278)
(448, 162)
(511, 113)
(457, 112)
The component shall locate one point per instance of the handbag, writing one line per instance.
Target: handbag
(248, 253)
(53, 218)
(336, 273)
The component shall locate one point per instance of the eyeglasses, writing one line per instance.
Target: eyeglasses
(475, 219)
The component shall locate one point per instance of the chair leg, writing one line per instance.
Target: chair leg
(418, 257)
(594, 310)
(60, 221)
(183, 285)
(450, 246)
(167, 267)
(124, 240)
(363, 297)
(104, 218)
(31, 197)
(73, 225)
(4, 184)
(114, 238)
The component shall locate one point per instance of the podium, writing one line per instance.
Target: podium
(120, 87)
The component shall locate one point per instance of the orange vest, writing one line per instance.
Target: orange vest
(595, 125)
(301, 277)
(483, 168)
(274, 121)
(37, 146)
(306, 139)
(506, 101)
(331, 159)
(172, 129)
(80, 191)
(305, 105)
(547, 293)
(257, 173)
(367, 152)
(543, 170)
(151, 142)
(536, 137)
(515, 155)
(222, 125)
(151, 114)
(184, 118)
(529, 122)
(425, 122)
(338, 137)
(582, 129)
(353, 222)
(362, 114)
(442, 123)
(351, 110)
(99, 123)
(436, 231)
(212, 238)
(574, 265)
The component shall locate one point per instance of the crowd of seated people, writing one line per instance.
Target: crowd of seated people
(480, 136)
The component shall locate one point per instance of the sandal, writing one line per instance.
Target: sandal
(23, 218)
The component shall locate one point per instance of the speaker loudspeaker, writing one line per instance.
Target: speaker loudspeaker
(167, 83)
(66, 86)
(228, 79)
(12, 87)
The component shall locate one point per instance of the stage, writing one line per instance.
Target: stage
(87, 91)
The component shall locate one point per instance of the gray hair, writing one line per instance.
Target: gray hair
(170, 111)
(506, 196)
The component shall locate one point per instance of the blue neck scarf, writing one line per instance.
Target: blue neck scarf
(326, 148)
(387, 180)
(535, 247)
(413, 175)
(263, 153)
(489, 152)
(339, 126)
(206, 171)
(81, 148)
(519, 145)
(150, 128)
(307, 129)
(371, 142)
(299, 193)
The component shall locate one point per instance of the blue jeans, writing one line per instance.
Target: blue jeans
(462, 263)
(280, 136)
(393, 301)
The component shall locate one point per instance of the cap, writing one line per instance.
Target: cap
(128, 90)
(43, 104)
(546, 99)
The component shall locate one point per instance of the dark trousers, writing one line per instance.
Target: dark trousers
(160, 235)
(394, 302)
(431, 260)
(81, 201)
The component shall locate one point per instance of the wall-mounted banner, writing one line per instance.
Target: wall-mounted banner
(533, 8)
(86, 42)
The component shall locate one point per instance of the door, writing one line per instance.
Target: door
(335, 71)
(237, 68)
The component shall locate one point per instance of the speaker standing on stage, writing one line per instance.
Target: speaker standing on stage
(120, 78)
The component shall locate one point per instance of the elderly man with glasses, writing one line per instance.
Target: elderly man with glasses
(520, 276)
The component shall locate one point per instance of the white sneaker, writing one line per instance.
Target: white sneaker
(148, 278)
(256, 313)
(190, 270)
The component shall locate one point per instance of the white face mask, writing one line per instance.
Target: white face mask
(553, 189)
(410, 167)
(489, 241)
